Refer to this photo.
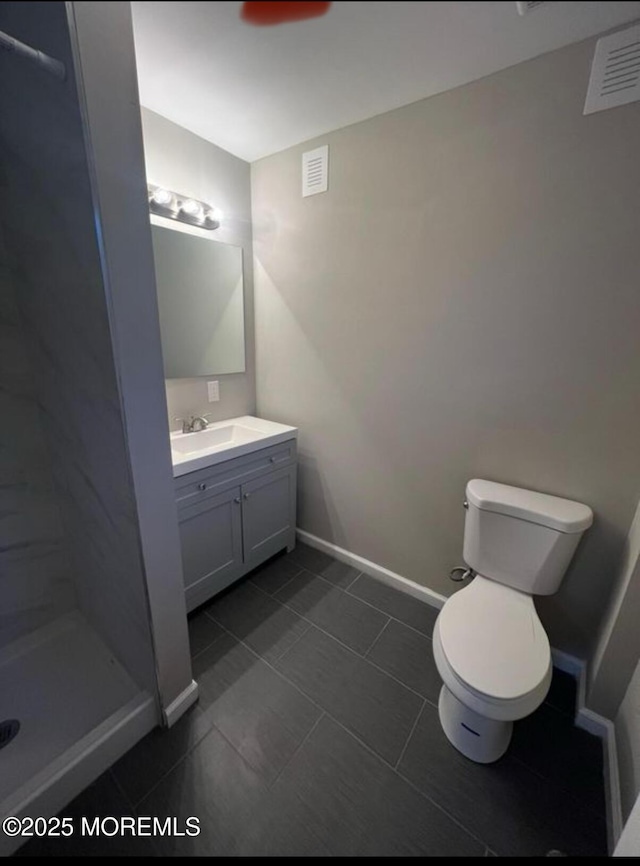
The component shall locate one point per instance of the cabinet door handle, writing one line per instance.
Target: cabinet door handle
(202, 486)
(247, 495)
(236, 499)
(272, 459)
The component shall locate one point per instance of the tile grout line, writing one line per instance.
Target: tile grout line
(355, 737)
(298, 747)
(413, 727)
(308, 621)
(116, 781)
(293, 685)
(274, 669)
(209, 645)
(283, 653)
(408, 782)
(380, 633)
(431, 703)
(357, 598)
(346, 591)
(291, 646)
(342, 644)
(390, 615)
(306, 696)
(285, 677)
(373, 664)
(311, 624)
(273, 594)
(180, 760)
(558, 712)
(337, 639)
(402, 622)
(580, 804)
(347, 588)
(231, 745)
(441, 808)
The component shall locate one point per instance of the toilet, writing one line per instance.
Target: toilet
(489, 645)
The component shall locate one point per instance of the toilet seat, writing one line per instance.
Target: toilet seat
(492, 650)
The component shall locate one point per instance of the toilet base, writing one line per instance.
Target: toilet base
(481, 739)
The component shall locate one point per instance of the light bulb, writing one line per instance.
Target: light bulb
(192, 207)
(216, 214)
(162, 196)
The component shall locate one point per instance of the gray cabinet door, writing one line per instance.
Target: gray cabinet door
(268, 515)
(211, 535)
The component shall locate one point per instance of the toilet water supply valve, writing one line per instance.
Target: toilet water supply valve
(460, 573)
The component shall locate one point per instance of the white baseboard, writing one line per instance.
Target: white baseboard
(181, 704)
(567, 663)
(585, 718)
(365, 565)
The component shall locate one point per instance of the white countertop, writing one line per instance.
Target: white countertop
(224, 440)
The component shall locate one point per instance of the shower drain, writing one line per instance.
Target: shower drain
(8, 730)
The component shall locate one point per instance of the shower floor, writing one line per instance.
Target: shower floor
(60, 682)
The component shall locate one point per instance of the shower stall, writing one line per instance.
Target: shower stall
(93, 640)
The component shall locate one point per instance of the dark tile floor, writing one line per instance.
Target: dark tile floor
(317, 733)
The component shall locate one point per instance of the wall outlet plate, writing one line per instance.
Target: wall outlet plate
(213, 389)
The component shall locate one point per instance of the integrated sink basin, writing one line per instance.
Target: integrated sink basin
(230, 434)
(225, 440)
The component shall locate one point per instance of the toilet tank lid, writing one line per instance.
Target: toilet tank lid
(563, 515)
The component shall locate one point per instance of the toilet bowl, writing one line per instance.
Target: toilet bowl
(494, 659)
(489, 645)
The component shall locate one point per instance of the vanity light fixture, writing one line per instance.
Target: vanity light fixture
(172, 205)
(191, 207)
(162, 197)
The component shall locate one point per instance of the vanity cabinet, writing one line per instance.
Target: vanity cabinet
(235, 515)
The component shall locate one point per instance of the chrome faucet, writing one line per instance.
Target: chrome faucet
(194, 423)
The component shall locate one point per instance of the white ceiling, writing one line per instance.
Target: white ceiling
(257, 90)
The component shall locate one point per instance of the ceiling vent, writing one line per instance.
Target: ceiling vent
(529, 6)
(615, 73)
(315, 171)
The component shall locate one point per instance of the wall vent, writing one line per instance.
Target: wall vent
(529, 5)
(315, 170)
(615, 73)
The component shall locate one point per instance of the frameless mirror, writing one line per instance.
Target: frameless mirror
(201, 304)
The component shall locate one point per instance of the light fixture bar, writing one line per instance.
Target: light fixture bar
(175, 206)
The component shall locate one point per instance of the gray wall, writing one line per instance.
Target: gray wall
(617, 648)
(629, 842)
(50, 232)
(614, 672)
(186, 163)
(35, 575)
(463, 302)
(627, 724)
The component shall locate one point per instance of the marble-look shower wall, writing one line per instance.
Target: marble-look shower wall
(35, 580)
(52, 242)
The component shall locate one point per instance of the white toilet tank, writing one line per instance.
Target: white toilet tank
(521, 538)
